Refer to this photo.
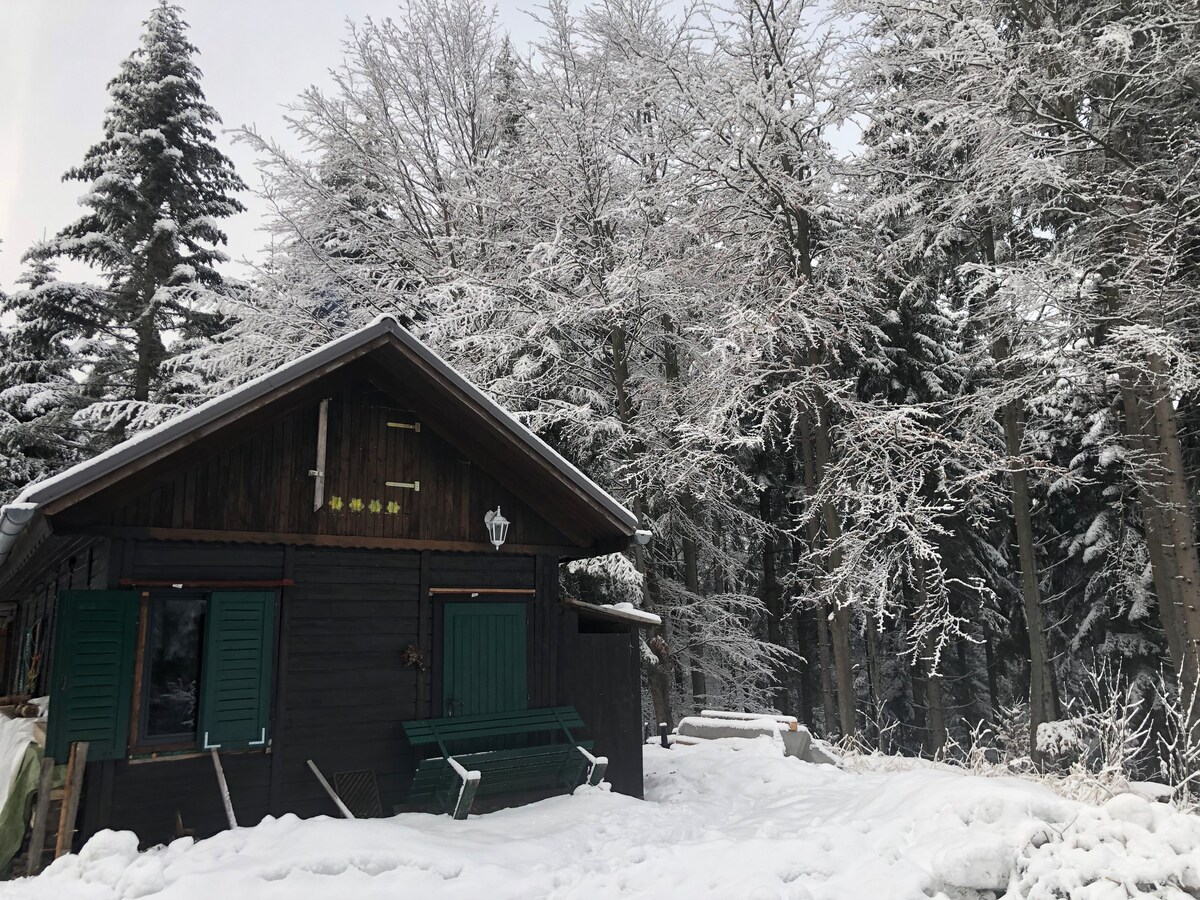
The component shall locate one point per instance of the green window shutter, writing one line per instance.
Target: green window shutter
(91, 678)
(235, 678)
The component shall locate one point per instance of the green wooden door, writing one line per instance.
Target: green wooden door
(91, 682)
(483, 658)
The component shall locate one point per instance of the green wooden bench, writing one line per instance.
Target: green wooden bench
(556, 761)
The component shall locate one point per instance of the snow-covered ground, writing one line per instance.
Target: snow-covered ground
(731, 819)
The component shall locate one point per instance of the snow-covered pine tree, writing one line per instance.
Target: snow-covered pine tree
(38, 395)
(157, 190)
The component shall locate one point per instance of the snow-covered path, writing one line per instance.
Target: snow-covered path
(728, 820)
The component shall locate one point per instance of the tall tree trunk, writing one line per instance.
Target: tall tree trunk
(149, 353)
(659, 669)
(806, 686)
(691, 580)
(829, 704)
(815, 449)
(1167, 518)
(1042, 706)
(770, 592)
(839, 625)
(935, 701)
(875, 677)
(1181, 530)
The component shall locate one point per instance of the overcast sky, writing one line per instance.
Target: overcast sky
(56, 56)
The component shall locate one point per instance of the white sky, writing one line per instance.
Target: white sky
(57, 56)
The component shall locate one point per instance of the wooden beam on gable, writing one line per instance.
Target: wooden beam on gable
(317, 540)
(274, 401)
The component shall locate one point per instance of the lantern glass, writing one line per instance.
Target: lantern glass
(497, 527)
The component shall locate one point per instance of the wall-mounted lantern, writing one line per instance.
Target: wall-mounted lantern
(497, 526)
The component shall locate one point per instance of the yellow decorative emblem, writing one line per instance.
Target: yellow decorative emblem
(393, 507)
(335, 502)
(374, 506)
(356, 505)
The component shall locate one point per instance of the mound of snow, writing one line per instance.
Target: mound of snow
(723, 819)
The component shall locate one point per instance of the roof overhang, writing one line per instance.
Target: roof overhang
(413, 357)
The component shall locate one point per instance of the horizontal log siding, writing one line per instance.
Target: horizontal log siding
(601, 677)
(345, 626)
(351, 615)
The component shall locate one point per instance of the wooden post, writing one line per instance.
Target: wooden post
(322, 448)
(76, 763)
(662, 734)
(41, 812)
(337, 801)
(224, 789)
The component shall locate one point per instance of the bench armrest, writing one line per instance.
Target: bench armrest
(596, 764)
(470, 784)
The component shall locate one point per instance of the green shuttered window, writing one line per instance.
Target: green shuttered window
(92, 674)
(235, 689)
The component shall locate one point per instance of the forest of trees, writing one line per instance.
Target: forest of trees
(883, 319)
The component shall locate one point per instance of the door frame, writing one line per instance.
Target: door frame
(474, 595)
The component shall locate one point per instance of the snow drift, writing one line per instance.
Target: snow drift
(725, 819)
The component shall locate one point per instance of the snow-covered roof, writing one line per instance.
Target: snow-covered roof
(16, 515)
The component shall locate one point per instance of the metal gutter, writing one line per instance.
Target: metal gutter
(13, 519)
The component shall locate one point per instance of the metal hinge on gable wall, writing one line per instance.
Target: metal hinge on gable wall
(412, 426)
(411, 485)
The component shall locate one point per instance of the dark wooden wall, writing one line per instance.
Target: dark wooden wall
(342, 688)
(261, 483)
(62, 563)
(346, 689)
(144, 796)
(600, 675)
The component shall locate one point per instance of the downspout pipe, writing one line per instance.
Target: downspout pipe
(13, 519)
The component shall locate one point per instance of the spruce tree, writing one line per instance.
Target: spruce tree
(158, 188)
(38, 394)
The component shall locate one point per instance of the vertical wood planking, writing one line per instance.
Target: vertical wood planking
(259, 482)
(278, 724)
(425, 638)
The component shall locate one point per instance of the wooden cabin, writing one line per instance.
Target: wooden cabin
(296, 570)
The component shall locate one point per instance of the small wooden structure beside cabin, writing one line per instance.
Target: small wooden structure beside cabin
(293, 571)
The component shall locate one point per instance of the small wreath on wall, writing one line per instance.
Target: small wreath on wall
(413, 656)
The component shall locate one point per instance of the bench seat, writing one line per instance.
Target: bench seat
(552, 759)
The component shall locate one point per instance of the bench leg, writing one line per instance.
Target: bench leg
(466, 794)
(596, 766)
(596, 773)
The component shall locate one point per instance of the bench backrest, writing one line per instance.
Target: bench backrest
(462, 728)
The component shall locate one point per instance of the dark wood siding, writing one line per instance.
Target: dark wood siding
(261, 483)
(342, 685)
(62, 563)
(601, 677)
(349, 619)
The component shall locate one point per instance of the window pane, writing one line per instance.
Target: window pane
(173, 665)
